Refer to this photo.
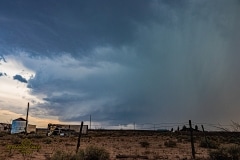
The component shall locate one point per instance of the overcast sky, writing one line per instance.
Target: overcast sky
(121, 61)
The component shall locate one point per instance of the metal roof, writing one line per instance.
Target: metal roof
(19, 119)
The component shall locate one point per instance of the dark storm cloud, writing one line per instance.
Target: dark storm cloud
(125, 61)
(20, 78)
(49, 27)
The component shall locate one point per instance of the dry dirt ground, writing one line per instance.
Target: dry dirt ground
(119, 143)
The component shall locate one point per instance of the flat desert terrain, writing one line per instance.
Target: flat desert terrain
(120, 144)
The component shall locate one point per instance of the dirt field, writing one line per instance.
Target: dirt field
(120, 144)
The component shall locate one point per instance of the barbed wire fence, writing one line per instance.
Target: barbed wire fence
(170, 126)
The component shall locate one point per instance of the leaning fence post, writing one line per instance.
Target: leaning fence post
(79, 137)
(205, 136)
(192, 142)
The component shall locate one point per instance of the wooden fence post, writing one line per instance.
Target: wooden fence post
(205, 136)
(26, 126)
(79, 137)
(192, 142)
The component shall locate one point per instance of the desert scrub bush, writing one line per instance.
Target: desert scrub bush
(230, 153)
(144, 144)
(234, 140)
(60, 155)
(90, 153)
(170, 143)
(185, 138)
(220, 154)
(35, 136)
(47, 140)
(3, 144)
(21, 135)
(16, 140)
(95, 153)
(234, 152)
(2, 134)
(209, 144)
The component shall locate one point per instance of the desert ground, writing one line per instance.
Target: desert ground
(120, 144)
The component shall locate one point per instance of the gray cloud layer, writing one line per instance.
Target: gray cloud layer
(125, 61)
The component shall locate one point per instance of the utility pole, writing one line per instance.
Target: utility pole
(90, 120)
(27, 119)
